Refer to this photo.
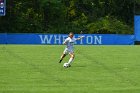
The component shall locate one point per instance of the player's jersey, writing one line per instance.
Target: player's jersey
(70, 42)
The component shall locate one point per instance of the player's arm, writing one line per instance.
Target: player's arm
(80, 38)
(66, 41)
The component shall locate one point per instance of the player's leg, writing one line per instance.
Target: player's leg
(63, 55)
(71, 58)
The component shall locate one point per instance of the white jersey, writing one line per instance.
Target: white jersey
(70, 42)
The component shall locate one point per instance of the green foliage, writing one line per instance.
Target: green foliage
(23, 17)
(137, 7)
(28, 19)
(109, 25)
(63, 16)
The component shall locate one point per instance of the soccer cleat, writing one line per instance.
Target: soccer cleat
(60, 61)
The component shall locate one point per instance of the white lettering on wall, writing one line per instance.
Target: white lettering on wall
(81, 40)
(46, 39)
(1, 11)
(64, 37)
(75, 41)
(57, 38)
(97, 40)
(89, 39)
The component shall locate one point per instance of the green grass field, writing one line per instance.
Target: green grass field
(96, 69)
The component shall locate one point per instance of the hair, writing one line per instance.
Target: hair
(71, 33)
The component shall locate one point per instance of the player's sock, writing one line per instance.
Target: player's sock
(70, 61)
(62, 57)
(60, 60)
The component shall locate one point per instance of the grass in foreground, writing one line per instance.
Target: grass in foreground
(96, 69)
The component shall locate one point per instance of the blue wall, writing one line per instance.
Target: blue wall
(137, 28)
(90, 39)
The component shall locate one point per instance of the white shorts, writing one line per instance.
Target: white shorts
(68, 51)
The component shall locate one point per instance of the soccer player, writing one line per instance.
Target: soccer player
(69, 42)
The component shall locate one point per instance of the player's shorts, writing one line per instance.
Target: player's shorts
(68, 51)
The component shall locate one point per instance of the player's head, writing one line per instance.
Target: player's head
(71, 34)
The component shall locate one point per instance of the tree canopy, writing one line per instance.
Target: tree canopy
(63, 16)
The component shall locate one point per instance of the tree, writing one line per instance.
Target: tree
(63, 16)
